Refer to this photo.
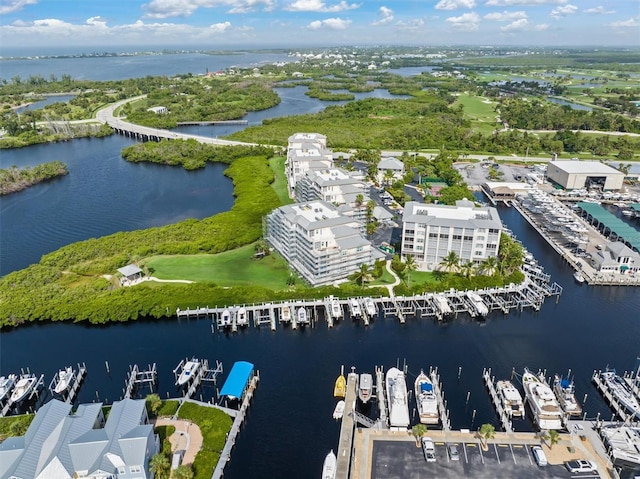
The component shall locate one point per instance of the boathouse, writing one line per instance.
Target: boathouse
(239, 378)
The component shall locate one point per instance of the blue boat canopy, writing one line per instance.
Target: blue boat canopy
(428, 387)
(564, 383)
(237, 380)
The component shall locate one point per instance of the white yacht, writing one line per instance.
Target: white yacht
(578, 277)
(354, 308)
(426, 400)
(441, 303)
(622, 392)
(188, 371)
(370, 307)
(302, 315)
(6, 385)
(336, 309)
(478, 305)
(544, 406)
(511, 399)
(623, 444)
(65, 376)
(365, 387)
(566, 394)
(242, 319)
(329, 466)
(397, 397)
(338, 412)
(285, 314)
(23, 387)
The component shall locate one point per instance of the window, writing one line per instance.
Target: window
(477, 253)
(433, 235)
(121, 470)
(135, 469)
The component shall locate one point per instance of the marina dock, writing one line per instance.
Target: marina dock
(137, 377)
(442, 408)
(347, 430)
(73, 385)
(618, 408)
(502, 414)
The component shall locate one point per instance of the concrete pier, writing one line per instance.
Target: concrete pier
(347, 430)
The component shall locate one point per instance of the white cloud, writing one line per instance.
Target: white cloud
(631, 23)
(506, 16)
(220, 27)
(386, 16)
(185, 8)
(599, 11)
(523, 25)
(413, 24)
(559, 12)
(455, 4)
(532, 3)
(468, 21)
(320, 6)
(330, 24)
(10, 6)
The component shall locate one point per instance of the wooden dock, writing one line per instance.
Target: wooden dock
(137, 376)
(442, 407)
(505, 420)
(73, 384)
(347, 429)
(380, 394)
(613, 402)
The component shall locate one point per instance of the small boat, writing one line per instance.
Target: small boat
(365, 387)
(479, 308)
(188, 371)
(285, 314)
(336, 309)
(302, 315)
(340, 387)
(397, 397)
(566, 394)
(621, 391)
(339, 410)
(627, 212)
(225, 320)
(510, 398)
(354, 307)
(65, 376)
(329, 467)
(23, 387)
(426, 400)
(242, 318)
(442, 305)
(578, 277)
(6, 385)
(544, 405)
(370, 307)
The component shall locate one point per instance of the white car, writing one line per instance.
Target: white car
(580, 465)
(539, 456)
(428, 449)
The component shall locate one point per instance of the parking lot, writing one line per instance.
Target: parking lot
(403, 459)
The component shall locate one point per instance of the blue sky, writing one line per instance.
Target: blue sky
(290, 23)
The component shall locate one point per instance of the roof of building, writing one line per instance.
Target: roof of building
(129, 270)
(611, 221)
(390, 164)
(315, 214)
(585, 167)
(381, 213)
(237, 380)
(464, 215)
(306, 137)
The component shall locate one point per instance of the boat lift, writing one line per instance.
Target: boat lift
(502, 414)
(73, 385)
(136, 376)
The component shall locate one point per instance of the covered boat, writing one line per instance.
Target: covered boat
(339, 410)
(479, 308)
(426, 400)
(397, 397)
(566, 394)
(365, 387)
(370, 307)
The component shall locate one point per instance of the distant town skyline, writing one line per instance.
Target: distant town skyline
(308, 23)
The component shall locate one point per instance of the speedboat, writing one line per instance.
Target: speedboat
(23, 387)
(442, 305)
(354, 307)
(339, 410)
(370, 307)
(566, 394)
(241, 318)
(426, 400)
(225, 320)
(65, 376)
(329, 466)
(6, 385)
(479, 308)
(511, 399)
(397, 397)
(285, 314)
(622, 392)
(578, 277)
(188, 370)
(336, 310)
(365, 387)
(544, 405)
(302, 315)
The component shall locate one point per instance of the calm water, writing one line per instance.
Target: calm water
(575, 106)
(289, 428)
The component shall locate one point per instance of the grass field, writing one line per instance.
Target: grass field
(231, 268)
(479, 111)
(280, 183)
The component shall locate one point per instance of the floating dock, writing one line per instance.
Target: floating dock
(505, 420)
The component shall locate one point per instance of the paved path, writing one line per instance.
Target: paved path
(187, 437)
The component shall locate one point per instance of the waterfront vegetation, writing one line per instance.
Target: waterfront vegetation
(29, 134)
(12, 426)
(16, 179)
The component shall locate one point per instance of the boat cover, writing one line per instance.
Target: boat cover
(237, 380)
(428, 387)
(564, 383)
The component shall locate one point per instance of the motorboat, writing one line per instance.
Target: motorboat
(623, 444)
(370, 307)
(339, 410)
(510, 398)
(478, 305)
(23, 387)
(426, 400)
(6, 385)
(354, 308)
(188, 371)
(566, 394)
(365, 387)
(340, 386)
(241, 318)
(225, 319)
(302, 315)
(442, 305)
(64, 378)
(578, 277)
(285, 316)
(397, 397)
(329, 466)
(544, 405)
(336, 310)
(621, 391)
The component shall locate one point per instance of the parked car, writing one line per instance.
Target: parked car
(454, 455)
(428, 449)
(539, 456)
(580, 465)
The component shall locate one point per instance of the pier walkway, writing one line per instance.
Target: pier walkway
(347, 429)
(505, 420)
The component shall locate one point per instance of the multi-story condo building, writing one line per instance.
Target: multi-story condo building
(430, 232)
(306, 152)
(321, 244)
(336, 186)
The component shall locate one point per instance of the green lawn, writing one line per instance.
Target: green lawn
(280, 184)
(231, 268)
(480, 111)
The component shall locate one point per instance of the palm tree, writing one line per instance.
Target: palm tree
(160, 466)
(552, 437)
(418, 431)
(489, 265)
(486, 432)
(409, 266)
(450, 262)
(153, 403)
(182, 472)
(468, 269)
(362, 275)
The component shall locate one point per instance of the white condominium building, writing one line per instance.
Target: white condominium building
(430, 232)
(306, 152)
(336, 186)
(321, 244)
